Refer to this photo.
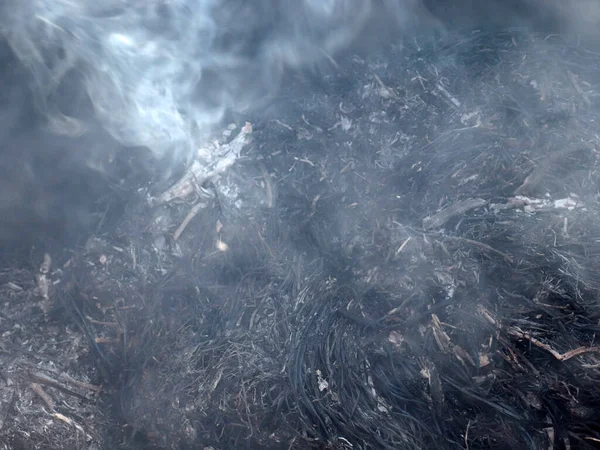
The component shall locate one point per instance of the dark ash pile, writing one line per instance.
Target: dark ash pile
(406, 257)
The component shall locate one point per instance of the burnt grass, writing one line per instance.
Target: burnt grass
(389, 265)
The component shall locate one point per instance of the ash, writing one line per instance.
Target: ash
(405, 256)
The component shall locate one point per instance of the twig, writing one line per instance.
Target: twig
(62, 418)
(403, 245)
(39, 379)
(305, 160)
(577, 87)
(133, 257)
(81, 384)
(45, 397)
(393, 311)
(482, 246)
(447, 94)
(268, 186)
(193, 211)
(13, 286)
(591, 366)
(456, 209)
(534, 179)
(330, 58)
(560, 356)
(46, 264)
(385, 91)
(441, 337)
(43, 281)
(68, 421)
(102, 340)
(106, 324)
(284, 125)
(486, 314)
(199, 173)
(265, 244)
(467, 435)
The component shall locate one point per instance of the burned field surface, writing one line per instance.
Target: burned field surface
(405, 254)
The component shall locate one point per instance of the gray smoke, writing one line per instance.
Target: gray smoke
(160, 74)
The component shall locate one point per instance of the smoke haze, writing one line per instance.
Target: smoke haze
(159, 74)
(85, 80)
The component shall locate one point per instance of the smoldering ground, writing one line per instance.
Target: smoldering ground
(403, 254)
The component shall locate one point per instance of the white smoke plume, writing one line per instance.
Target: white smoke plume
(160, 73)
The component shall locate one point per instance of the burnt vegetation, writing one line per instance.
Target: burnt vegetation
(405, 256)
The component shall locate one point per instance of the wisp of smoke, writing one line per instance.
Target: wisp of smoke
(160, 73)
